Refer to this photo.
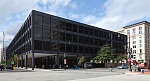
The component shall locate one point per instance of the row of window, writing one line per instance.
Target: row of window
(52, 46)
(21, 37)
(55, 23)
(134, 31)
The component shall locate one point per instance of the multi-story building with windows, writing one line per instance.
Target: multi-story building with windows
(138, 40)
(44, 39)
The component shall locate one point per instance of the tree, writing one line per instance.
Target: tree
(105, 54)
(82, 60)
(14, 58)
(120, 57)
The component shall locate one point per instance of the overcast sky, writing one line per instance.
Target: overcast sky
(107, 14)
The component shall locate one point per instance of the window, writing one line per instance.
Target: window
(140, 41)
(134, 51)
(140, 36)
(68, 37)
(38, 45)
(68, 26)
(86, 30)
(134, 46)
(62, 47)
(134, 42)
(81, 39)
(37, 20)
(140, 55)
(86, 40)
(134, 31)
(62, 25)
(128, 32)
(140, 30)
(80, 29)
(46, 21)
(140, 45)
(134, 37)
(68, 48)
(140, 50)
(75, 38)
(38, 32)
(46, 33)
(81, 49)
(54, 34)
(54, 23)
(54, 46)
(75, 28)
(75, 48)
(62, 36)
(134, 57)
(46, 46)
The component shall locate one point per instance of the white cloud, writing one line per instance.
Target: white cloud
(121, 12)
(55, 4)
(21, 9)
(75, 16)
(73, 5)
(89, 18)
(14, 27)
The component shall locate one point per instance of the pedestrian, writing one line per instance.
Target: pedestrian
(43, 67)
(60, 67)
(110, 68)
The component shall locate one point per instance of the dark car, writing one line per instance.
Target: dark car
(2, 67)
(123, 66)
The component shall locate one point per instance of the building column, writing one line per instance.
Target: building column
(21, 61)
(32, 61)
(57, 60)
(48, 62)
(77, 59)
(26, 61)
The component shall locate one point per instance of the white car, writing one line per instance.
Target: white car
(123, 66)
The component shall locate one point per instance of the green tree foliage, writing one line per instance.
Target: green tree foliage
(82, 60)
(14, 58)
(105, 54)
(2, 62)
(120, 57)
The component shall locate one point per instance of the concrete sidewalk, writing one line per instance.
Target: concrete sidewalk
(138, 72)
(123, 77)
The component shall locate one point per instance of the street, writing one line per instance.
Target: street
(71, 75)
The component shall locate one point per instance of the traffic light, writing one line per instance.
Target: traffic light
(131, 56)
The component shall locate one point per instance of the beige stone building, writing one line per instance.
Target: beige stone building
(138, 40)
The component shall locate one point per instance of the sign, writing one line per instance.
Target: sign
(12, 62)
(131, 53)
(142, 64)
(129, 59)
(65, 61)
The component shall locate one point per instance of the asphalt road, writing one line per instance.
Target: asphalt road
(61, 74)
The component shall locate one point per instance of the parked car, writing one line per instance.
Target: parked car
(2, 67)
(123, 66)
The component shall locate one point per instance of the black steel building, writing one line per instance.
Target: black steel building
(43, 39)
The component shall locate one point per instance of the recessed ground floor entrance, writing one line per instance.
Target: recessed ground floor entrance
(50, 61)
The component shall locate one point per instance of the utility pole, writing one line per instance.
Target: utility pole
(3, 47)
(130, 51)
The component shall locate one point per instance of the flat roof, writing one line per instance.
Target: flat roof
(137, 24)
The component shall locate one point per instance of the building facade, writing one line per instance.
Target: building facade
(44, 39)
(3, 53)
(138, 40)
